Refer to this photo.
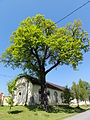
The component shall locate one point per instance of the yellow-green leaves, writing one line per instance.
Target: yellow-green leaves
(38, 41)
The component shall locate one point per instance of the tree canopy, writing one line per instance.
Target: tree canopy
(38, 42)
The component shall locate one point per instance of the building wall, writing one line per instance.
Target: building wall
(32, 91)
(52, 98)
(5, 100)
(1, 97)
(74, 102)
(24, 89)
(35, 93)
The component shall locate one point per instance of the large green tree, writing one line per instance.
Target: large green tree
(38, 42)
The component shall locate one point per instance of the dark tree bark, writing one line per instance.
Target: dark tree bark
(78, 103)
(44, 99)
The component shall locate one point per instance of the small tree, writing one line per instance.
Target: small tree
(11, 88)
(87, 86)
(83, 91)
(67, 96)
(75, 88)
(10, 103)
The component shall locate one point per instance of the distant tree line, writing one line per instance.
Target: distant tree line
(80, 92)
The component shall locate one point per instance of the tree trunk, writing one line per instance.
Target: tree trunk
(78, 103)
(44, 99)
(9, 109)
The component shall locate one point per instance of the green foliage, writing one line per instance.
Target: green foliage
(75, 88)
(87, 86)
(12, 83)
(11, 86)
(67, 96)
(10, 101)
(80, 90)
(83, 91)
(38, 42)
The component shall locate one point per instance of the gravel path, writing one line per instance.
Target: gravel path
(81, 116)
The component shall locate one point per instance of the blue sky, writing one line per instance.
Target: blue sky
(11, 14)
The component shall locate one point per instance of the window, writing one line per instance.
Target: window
(56, 96)
(48, 93)
(20, 93)
(23, 84)
(39, 94)
(32, 100)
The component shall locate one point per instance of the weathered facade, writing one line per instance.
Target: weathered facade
(28, 92)
(5, 100)
(1, 98)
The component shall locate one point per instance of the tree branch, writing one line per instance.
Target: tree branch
(45, 53)
(37, 57)
(49, 54)
(58, 62)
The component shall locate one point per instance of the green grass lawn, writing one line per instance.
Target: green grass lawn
(31, 113)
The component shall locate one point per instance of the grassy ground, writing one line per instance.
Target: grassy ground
(31, 113)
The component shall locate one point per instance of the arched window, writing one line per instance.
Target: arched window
(48, 93)
(20, 93)
(56, 96)
(32, 100)
(39, 94)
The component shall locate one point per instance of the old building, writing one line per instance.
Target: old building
(1, 98)
(28, 92)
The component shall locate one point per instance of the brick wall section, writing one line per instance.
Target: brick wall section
(0, 98)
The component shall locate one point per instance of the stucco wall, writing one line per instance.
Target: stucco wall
(51, 98)
(74, 102)
(21, 92)
(32, 91)
(5, 100)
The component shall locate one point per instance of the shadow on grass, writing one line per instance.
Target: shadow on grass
(35, 108)
(57, 109)
(15, 112)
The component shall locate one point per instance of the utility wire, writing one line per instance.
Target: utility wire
(72, 12)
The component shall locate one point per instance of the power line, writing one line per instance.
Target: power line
(71, 12)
